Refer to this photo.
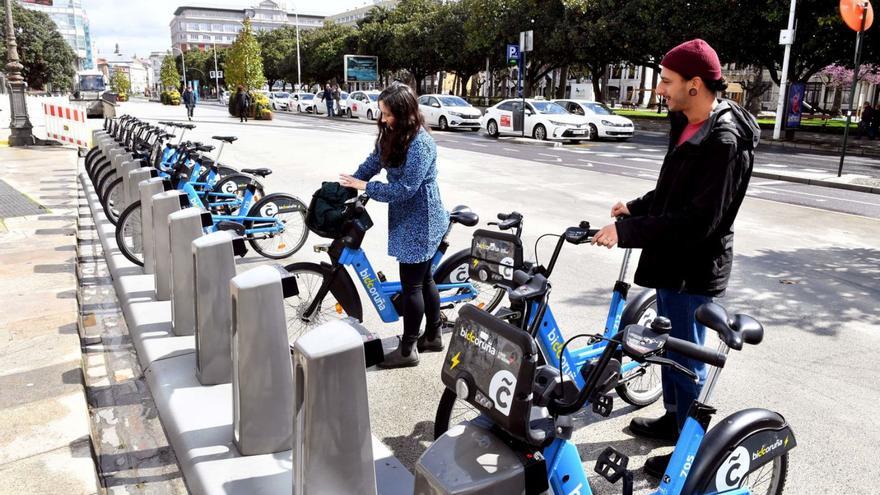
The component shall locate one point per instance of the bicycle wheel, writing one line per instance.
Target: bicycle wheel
(642, 385)
(104, 181)
(129, 234)
(237, 184)
(455, 270)
(767, 479)
(451, 411)
(309, 277)
(112, 201)
(291, 212)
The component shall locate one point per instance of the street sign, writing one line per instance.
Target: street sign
(852, 12)
(216, 74)
(526, 39)
(512, 55)
(786, 37)
(795, 105)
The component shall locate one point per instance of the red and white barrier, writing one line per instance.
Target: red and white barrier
(67, 123)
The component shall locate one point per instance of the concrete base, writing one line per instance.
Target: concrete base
(198, 419)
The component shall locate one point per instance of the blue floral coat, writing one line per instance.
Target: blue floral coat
(417, 220)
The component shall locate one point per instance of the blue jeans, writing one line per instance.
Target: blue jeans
(680, 391)
(330, 108)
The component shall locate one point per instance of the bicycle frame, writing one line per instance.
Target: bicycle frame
(246, 203)
(381, 293)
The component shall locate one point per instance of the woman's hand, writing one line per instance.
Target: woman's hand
(619, 210)
(607, 236)
(349, 181)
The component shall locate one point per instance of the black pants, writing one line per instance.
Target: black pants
(189, 110)
(242, 115)
(420, 298)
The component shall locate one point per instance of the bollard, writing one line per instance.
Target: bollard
(214, 266)
(262, 378)
(331, 414)
(184, 227)
(133, 180)
(164, 204)
(147, 189)
(127, 167)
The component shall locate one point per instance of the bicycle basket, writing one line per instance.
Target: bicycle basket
(494, 257)
(326, 216)
(497, 362)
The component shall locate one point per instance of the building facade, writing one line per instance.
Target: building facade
(198, 28)
(139, 72)
(73, 24)
(351, 17)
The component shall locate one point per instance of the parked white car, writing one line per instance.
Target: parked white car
(541, 120)
(447, 112)
(278, 100)
(301, 102)
(321, 105)
(603, 122)
(364, 104)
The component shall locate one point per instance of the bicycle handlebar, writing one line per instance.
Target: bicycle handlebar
(696, 351)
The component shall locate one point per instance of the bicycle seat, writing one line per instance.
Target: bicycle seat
(463, 215)
(733, 332)
(207, 148)
(259, 172)
(187, 126)
(225, 139)
(530, 286)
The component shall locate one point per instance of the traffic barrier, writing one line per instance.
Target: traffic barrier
(262, 377)
(67, 124)
(164, 204)
(184, 227)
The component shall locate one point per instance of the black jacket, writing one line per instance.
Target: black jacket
(242, 100)
(685, 225)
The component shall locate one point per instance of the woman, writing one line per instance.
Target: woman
(417, 220)
(242, 103)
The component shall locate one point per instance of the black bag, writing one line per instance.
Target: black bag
(494, 257)
(327, 216)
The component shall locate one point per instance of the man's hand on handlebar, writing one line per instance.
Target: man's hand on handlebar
(349, 181)
(619, 210)
(607, 236)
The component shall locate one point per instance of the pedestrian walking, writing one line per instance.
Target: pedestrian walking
(417, 220)
(189, 100)
(242, 103)
(336, 97)
(875, 122)
(327, 97)
(866, 122)
(685, 225)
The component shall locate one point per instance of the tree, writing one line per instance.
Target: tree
(275, 46)
(244, 64)
(46, 57)
(322, 52)
(168, 74)
(119, 82)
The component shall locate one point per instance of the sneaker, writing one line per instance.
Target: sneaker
(433, 345)
(395, 359)
(656, 466)
(663, 428)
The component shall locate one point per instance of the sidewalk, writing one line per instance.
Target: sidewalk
(45, 441)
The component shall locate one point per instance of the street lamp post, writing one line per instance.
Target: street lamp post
(21, 129)
(298, 80)
(783, 82)
(216, 72)
(183, 61)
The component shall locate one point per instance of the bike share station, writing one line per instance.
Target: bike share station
(213, 345)
(247, 413)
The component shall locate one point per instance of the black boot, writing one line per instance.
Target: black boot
(656, 466)
(401, 357)
(663, 428)
(425, 344)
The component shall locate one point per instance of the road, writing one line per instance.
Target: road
(808, 269)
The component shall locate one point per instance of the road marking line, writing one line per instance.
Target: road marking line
(545, 154)
(822, 196)
(609, 155)
(512, 150)
(478, 144)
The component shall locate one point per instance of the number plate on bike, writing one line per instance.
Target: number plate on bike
(491, 365)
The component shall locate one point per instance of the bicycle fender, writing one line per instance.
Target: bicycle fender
(632, 305)
(737, 445)
(345, 292)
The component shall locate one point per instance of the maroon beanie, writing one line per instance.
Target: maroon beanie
(692, 59)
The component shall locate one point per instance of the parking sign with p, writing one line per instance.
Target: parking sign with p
(512, 54)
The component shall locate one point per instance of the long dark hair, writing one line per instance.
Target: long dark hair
(393, 144)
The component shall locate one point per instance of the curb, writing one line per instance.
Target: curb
(817, 182)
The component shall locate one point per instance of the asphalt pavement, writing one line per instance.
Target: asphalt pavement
(807, 266)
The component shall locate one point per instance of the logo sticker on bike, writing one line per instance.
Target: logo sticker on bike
(269, 210)
(733, 469)
(501, 391)
(230, 187)
(370, 284)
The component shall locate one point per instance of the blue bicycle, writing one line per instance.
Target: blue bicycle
(327, 291)
(639, 385)
(525, 426)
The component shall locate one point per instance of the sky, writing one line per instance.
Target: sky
(141, 26)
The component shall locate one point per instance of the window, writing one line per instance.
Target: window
(507, 106)
(433, 102)
(423, 100)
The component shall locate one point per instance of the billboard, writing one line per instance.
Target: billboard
(795, 105)
(361, 68)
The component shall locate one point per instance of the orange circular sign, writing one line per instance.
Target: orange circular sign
(851, 11)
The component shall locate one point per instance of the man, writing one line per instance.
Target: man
(189, 100)
(327, 96)
(685, 225)
(242, 102)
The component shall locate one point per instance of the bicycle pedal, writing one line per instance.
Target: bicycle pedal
(611, 464)
(603, 404)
